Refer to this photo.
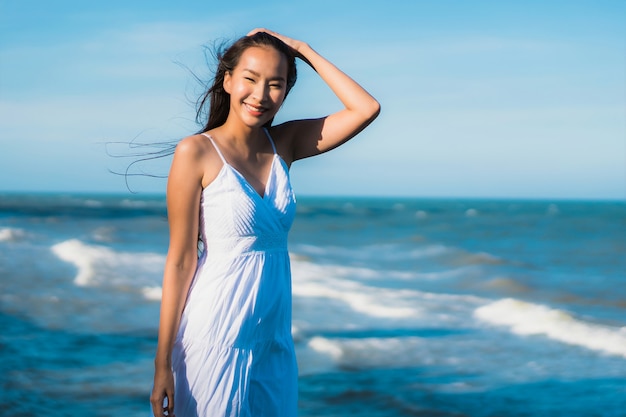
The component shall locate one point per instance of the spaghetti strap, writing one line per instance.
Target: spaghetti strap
(216, 148)
(271, 140)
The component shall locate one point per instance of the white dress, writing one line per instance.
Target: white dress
(234, 354)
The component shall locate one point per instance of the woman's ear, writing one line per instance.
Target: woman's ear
(227, 81)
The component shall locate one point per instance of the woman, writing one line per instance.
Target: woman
(225, 346)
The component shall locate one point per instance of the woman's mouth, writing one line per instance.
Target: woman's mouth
(254, 110)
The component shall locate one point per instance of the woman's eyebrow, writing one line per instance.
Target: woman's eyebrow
(280, 78)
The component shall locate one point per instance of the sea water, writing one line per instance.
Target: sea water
(402, 307)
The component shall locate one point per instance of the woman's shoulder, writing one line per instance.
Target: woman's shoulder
(193, 144)
(194, 147)
(198, 155)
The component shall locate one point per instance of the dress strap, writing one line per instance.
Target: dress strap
(216, 147)
(271, 140)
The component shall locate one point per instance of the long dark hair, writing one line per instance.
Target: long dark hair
(214, 104)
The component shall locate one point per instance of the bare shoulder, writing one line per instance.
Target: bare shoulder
(192, 147)
(198, 155)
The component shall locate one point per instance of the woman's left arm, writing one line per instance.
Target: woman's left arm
(314, 136)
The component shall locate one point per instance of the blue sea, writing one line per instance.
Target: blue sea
(402, 307)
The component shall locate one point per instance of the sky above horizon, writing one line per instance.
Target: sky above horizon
(479, 99)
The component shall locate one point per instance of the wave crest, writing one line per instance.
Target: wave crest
(525, 318)
(99, 265)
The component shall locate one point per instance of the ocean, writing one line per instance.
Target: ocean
(402, 307)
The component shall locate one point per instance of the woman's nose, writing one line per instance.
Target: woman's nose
(261, 91)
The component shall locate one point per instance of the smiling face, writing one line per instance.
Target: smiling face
(257, 86)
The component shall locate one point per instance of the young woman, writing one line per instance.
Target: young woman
(225, 346)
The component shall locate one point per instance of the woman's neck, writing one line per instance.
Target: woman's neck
(240, 138)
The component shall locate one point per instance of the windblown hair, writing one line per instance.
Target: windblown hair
(214, 104)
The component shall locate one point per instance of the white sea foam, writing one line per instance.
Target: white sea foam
(363, 273)
(333, 283)
(369, 301)
(322, 293)
(430, 276)
(533, 319)
(93, 203)
(381, 252)
(142, 203)
(152, 293)
(374, 352)
(9, 234)
(133, 203)
(326, 346)
(100, 265)
(369, 351)
(553, 209)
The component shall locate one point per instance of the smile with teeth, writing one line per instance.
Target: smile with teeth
(254, 109)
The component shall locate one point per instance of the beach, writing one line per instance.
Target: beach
(401, 306)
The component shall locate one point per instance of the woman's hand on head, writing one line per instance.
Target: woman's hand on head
(294, 44)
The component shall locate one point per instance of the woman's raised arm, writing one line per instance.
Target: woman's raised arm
(314, 136)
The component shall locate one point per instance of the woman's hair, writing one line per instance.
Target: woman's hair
(212, 107)
(216, 98)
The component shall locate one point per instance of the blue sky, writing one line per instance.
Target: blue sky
(479, 99)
